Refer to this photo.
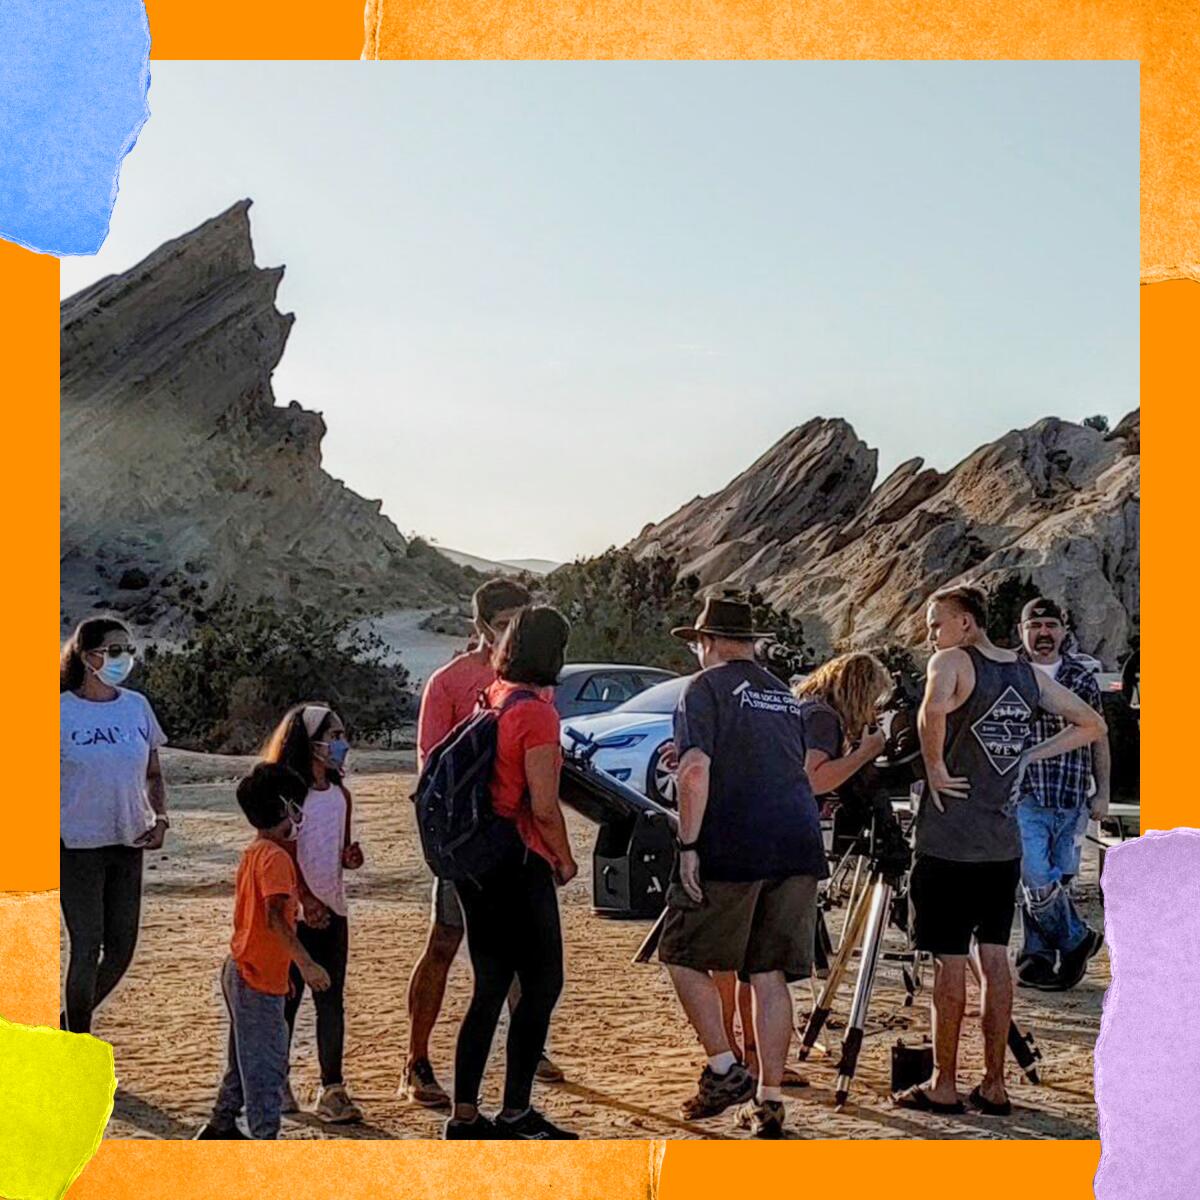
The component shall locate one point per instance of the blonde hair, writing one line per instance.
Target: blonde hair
(852, 685)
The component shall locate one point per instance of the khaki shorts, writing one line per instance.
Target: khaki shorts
(751, 928)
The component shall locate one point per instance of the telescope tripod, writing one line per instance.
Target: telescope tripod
(866, 923)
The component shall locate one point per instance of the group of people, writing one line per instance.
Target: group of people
(1014, 758)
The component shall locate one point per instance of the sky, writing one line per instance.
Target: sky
(542, 304)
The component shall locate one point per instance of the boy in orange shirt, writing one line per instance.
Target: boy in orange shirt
(254, 978)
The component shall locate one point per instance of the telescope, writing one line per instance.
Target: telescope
(635, 843)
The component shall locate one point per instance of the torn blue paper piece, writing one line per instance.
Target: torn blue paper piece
(73, 81)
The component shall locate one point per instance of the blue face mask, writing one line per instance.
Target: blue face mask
(115, 671)
(335, 752)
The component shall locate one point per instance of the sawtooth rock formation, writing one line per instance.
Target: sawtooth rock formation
(182, 480)
(1052, 508)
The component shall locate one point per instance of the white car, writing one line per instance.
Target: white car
(634, 740)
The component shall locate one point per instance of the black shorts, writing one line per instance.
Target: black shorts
(954, 900)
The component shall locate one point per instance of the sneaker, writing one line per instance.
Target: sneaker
(764, 1118)
(420, 1086)
(1073, 965)
(548, 1071)
(290, 1103)
(533, 1127)
(219, 1133)
(335, 1107)
(478, 1130)
(1038, 972)
(716, 1093)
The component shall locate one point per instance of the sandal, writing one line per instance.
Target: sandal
(989, 1108)
(917, 1100)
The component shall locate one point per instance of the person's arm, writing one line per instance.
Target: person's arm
(434, 720)
(352, 855)
(543, 765)
(156, 793)
(941, 686)
(314, 975)
(1101, 755)
(827, 774)
(316, 913)
(691, 786)
(1084, 725)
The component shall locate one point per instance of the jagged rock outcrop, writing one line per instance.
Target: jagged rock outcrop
(182, 479)
(1054, 507)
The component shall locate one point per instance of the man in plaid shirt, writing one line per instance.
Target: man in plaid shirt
(1057, 800)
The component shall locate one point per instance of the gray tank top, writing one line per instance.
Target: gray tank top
(984, 739)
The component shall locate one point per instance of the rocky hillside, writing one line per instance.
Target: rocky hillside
(181, 477)
(1053, 507)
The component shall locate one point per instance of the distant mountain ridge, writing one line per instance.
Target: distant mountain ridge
(488, 566)
(1054, 507)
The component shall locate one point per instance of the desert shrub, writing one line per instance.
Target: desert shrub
(1098, 422)
(622, 609)
(245, 665)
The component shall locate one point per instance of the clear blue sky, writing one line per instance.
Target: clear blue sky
(542, 304)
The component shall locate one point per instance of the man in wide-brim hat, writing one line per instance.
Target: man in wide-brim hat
(750, 856)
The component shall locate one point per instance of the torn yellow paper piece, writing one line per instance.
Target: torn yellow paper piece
(58, 1095)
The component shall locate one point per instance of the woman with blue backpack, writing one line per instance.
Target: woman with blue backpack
(511, 907)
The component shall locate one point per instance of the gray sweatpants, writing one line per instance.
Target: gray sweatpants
(258, 1057)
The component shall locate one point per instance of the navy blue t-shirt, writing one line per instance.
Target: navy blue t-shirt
(761, 821)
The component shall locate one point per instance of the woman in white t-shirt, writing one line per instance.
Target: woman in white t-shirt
(112, 808)
(311, 739)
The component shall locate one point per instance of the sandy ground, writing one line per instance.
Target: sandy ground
(618, 1031)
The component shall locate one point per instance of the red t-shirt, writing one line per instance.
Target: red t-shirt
(450, 695)
(525, 726)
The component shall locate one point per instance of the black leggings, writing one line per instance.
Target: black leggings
(329, 947)
(100, 892)
(512, 930)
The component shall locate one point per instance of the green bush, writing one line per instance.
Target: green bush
(622, 609)
(225, 688)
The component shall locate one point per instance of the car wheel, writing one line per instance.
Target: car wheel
(660, 775)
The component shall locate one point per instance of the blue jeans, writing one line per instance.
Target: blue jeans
(1052, 841)
(258, 1057)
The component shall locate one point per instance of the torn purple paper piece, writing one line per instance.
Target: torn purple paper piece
(74, 75)
(1148, 1052)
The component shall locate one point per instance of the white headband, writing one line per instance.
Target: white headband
(313, 716)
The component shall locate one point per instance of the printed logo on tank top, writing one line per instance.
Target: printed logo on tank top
(1003, 730)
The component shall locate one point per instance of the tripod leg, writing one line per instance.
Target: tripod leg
(880, 900)
(851, 935)
(854, 896)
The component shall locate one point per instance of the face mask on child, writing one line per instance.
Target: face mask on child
(335, 753)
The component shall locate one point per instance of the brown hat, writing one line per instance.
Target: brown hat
(722, 617)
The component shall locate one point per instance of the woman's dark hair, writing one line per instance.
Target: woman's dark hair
(88, 635)
(291, 746)
(533, 646)
(262, 794)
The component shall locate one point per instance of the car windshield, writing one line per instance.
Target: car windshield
(661, 698)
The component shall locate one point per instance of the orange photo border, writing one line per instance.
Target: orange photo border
(1159, 35)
